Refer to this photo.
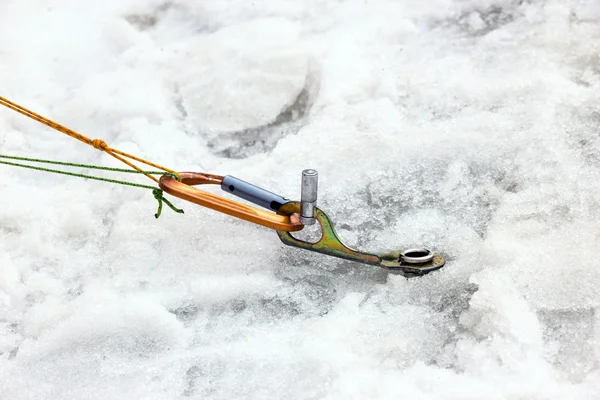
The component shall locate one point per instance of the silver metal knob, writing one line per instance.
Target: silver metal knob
(308, 196)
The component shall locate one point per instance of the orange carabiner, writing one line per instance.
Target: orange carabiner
(184, 190)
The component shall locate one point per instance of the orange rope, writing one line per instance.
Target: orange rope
(96, 143)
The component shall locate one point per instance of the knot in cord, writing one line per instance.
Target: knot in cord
(99, 144)
(158, 195)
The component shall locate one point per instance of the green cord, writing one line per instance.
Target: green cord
(158, 195)
(157, 192)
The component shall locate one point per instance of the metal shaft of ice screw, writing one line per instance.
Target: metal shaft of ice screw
(308, 196)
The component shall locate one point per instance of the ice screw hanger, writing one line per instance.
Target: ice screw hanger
(410, 262)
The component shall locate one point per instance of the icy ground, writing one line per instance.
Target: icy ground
(471, 127)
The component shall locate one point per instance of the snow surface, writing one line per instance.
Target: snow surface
(470, 127)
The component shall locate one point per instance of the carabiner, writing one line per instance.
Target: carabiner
(184, 190)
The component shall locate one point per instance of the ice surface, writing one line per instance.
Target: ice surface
(470, 127)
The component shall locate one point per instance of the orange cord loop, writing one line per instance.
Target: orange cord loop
(96, 143)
